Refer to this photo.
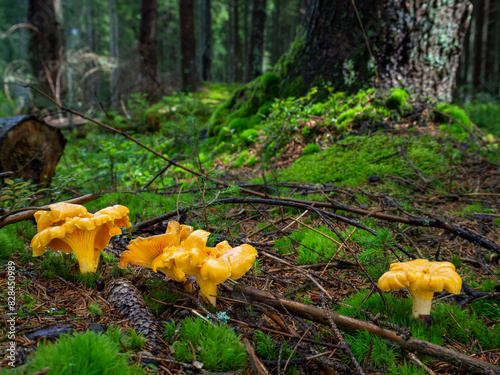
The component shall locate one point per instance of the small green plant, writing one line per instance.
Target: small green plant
(381, 355)
(108, 257)
(220, 348)
(81, 353)
(267, 348)
(95, 309)
(405, 369)
(375, 256)
(128, 338)
(162, 295)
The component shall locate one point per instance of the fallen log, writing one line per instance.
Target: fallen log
(29, 148)
(346, 323)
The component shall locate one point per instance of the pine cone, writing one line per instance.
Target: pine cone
(127, 300)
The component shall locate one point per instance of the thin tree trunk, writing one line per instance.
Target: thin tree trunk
(148, 66)
(276, 38)
(47, 47)
(206, 39)
(255, 51)
(478, 51)
(496, 64)
(190, 77)
(229, 43)
(88, 14)
(246, 29)
(236, 42)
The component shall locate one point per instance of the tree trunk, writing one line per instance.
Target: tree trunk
(30, 148)
(190, 77)
(479, 45)
(276, 35)
(412, 43)
(148, 66)
(47, 51)
(255, 51)
(206, 39)
(236, 42)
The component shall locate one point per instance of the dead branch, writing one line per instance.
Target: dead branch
(346, 323)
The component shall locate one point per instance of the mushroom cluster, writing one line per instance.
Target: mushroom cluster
(422, 278)
(71, 228)
(184, 252)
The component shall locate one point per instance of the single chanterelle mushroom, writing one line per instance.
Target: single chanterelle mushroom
(147, 252)
(210, 265)
(71, 228)
(422, 278)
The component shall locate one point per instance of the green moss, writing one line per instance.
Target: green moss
(397, 100)
(240, 160)
(450, 321)
(238, 124)
(330, 164)
(82, 353)
(219, 347)
(249, 136)
(251, 161)
(311, 148)
(14, 240)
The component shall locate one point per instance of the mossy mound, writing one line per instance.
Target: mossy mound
(361, 153)
(247, 106)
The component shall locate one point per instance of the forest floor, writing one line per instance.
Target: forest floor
(326, 226)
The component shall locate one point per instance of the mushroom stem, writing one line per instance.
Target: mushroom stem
(208, 290)
(82, 243)
(422, 302)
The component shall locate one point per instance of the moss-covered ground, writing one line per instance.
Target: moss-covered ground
(382, 154)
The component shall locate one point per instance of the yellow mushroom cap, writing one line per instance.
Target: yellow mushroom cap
(70, 228)
(240, 259)
(150, 252)
(421, 278)
(58, 213)
(217, 270)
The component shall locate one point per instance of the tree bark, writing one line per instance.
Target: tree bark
(148, 66)
(412, 43)
(190, 77)
(47, 47)
(255, 51)
(206, 39)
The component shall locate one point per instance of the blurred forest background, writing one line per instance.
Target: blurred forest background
(103, 45)
(115, 48)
